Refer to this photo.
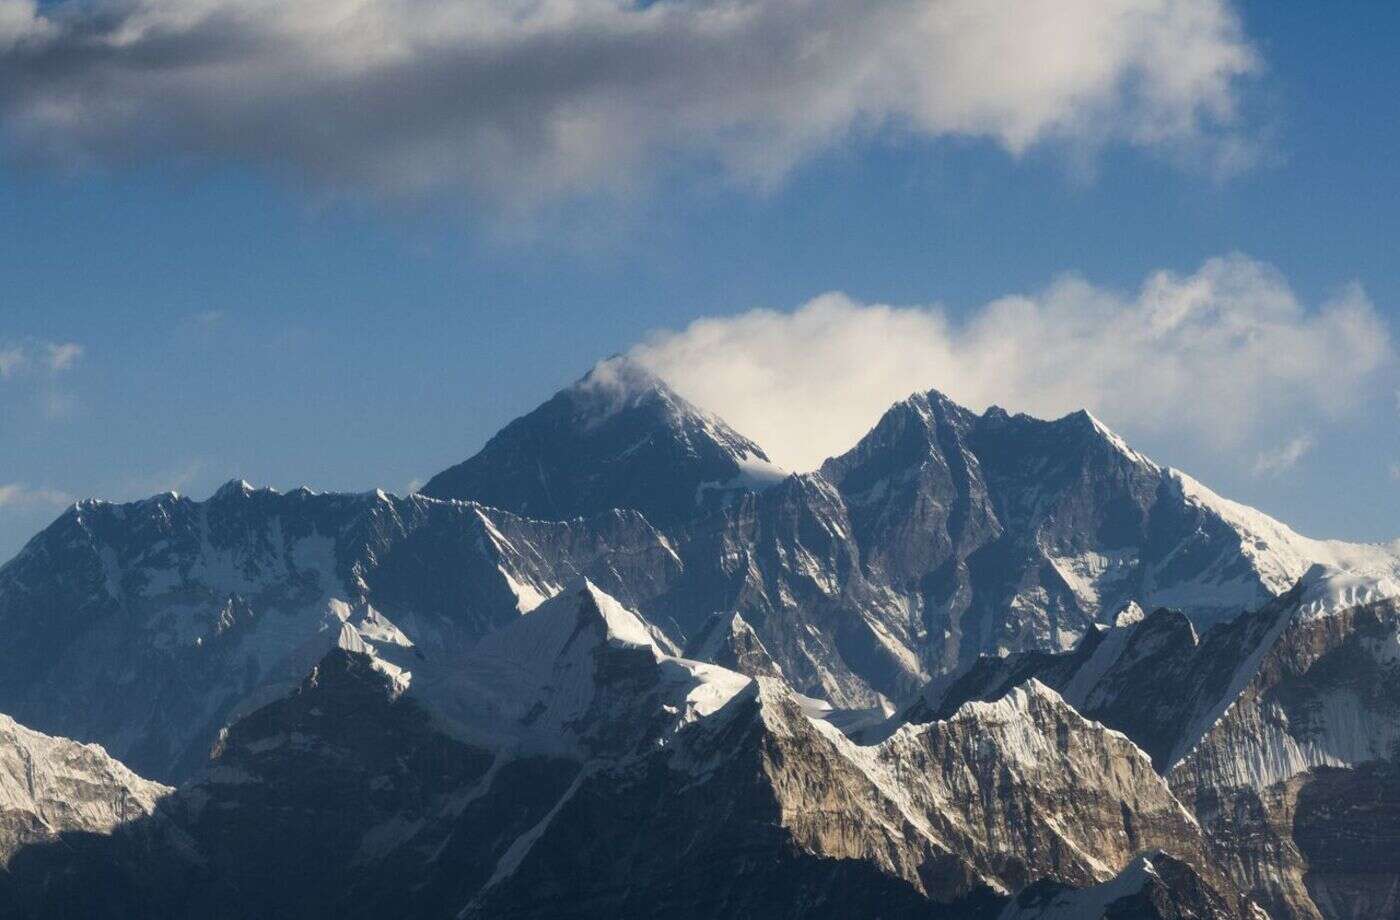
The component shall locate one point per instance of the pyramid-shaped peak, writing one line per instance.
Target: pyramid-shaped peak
(234, 488)
(622, 376)
(617, 438)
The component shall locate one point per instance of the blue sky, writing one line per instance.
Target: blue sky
(288, 314)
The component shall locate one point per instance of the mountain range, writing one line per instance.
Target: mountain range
(620, 664)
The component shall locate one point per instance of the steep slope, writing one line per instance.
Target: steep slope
(618, 438)
(1298, 776)
(1280, 730)
(574, 767)
(582, 677)
(763, 800)
(50, 785)
(942, 535)
(1156, 886)
(1013, 533)
(147, 626)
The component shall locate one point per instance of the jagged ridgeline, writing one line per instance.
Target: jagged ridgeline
(619, 664)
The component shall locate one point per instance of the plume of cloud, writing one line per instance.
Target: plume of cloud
(1211, 356)
(1284, 457)
(62, 355)
(15, 494)
(517, 100)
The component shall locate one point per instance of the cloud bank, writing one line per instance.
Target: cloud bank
(533, 99)
(1216, 357)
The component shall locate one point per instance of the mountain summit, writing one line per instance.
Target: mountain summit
(618, 438)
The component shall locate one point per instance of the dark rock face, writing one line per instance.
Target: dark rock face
(1346, 826)
(619, 438)
(1318, 721)
(146, 627)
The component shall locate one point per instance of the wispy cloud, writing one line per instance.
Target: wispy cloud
(173, 479)
(12, 361)
(519, 101)
(30, 355)
(1214, 357)
(61, 356)
(1284, 457)
(17, 494)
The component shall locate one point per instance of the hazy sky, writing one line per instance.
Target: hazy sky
(341, 242)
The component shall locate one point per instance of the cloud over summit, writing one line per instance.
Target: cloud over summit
(1210, 357)
(517, 100)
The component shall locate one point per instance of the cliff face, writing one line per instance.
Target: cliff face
(50, 786)
(1296, 782)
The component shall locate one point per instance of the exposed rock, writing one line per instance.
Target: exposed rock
(1156, 886)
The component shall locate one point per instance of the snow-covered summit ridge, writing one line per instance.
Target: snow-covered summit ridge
(1282, 555)
(580, 672)
(1328, 589)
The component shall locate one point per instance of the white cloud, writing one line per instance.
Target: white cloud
(62, 356)
(515, 99)
(30, 354)
(1213, 357)
(173, 479)
(16, 494)
(1283, 458)
(12, 361)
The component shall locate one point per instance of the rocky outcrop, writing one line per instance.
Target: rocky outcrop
(999, 796)
(1296, 779)
(1280, 730)
(1155, 886)
(50, 786)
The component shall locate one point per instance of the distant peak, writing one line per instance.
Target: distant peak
(618, 383)
(234, 488)
(619, 437)
(620, 373)
(622, 626)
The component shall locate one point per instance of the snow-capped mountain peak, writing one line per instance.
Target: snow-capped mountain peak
(618, 438)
